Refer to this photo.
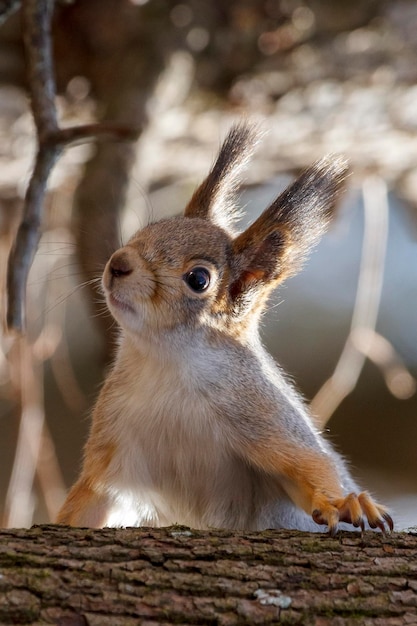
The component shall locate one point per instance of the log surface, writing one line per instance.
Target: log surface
(78, 577)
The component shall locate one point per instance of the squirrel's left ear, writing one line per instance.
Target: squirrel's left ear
(214, 198)
(276, 244)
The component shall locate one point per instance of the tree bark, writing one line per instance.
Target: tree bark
(73, 577)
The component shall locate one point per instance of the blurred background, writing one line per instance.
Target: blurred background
(319, 76)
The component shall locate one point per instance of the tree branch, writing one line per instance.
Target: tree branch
(36, 28)
(36, 24)
(58, 575)
(27, 239)
(86, 132)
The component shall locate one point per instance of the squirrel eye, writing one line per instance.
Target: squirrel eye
(198, 279)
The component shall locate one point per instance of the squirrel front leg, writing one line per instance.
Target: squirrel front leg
(311, 479)
(85, 506)
(88, 503)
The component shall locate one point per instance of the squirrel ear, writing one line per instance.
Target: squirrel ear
(214, 198)
(276, 244)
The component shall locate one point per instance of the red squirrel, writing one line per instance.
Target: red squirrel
(195, 423)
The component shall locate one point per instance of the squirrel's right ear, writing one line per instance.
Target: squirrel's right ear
(214, 198)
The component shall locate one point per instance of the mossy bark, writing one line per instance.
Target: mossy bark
(69, 577)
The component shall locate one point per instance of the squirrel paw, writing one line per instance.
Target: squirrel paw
(353, 509)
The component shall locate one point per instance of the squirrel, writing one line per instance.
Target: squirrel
(196, 424)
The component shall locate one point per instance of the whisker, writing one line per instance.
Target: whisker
(44, 248)
(68, 295)
(270, 307)
(103, 313)
(145, 196)
(50, 278)
(49, 242)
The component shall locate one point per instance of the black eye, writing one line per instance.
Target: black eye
(198, 279)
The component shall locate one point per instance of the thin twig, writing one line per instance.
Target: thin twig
(382, 353)
(35, 452)
(49, 475)
(86, 132)
(19, 503)
(368, 296)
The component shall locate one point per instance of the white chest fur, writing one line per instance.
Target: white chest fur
(173, 460)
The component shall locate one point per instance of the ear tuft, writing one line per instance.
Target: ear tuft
(214, 199)
(303, 211)
(307, 205)
(276, 244)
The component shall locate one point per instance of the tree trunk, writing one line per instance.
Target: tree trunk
(74, 577)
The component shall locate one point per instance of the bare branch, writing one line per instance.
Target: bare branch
(365, 313)
(86, 132)
(49, 474)
(19, 499)
(382, 353)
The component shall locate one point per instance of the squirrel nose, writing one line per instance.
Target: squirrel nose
(120, 265)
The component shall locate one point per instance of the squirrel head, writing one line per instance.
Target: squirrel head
(194, 271)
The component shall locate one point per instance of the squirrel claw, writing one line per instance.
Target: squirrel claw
(377, 515)
(384, 519)
(317, 517)
(353, 509)
(388, 519)
(359, 523)
(333, 529)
